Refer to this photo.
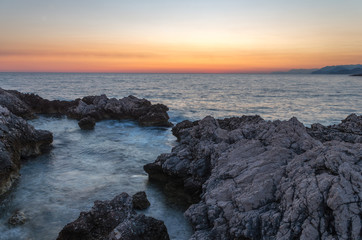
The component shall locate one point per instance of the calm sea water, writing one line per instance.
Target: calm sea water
(85, 166)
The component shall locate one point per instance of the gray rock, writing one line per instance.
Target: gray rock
(18, 140)
(18, 218)
(87, 123)
(97, 107)
(115, 219)
(140, 201)
(140, 227)
(259, 179)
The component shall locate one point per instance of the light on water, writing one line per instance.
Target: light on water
(85, 166)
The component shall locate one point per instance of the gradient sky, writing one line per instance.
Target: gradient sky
(178, 36)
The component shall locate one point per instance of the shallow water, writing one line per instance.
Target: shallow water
(84, 166)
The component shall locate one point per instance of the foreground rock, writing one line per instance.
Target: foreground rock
(97, 107)
(18, 218)
(115, 219)
(257, 179)
(18, 140)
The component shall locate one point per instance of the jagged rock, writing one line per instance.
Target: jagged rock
(115, 219)
(140, 201)
(87, 123)
(349, 130)
(18, 218)
(18, 140)
(97, 107)
(15, 105)
(259, 179)
(140, 228)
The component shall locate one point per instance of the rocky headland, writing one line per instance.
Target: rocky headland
(116, 220)
(89, 108)
(254, 179)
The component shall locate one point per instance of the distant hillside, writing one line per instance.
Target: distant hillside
(340, 69)
(298, 71)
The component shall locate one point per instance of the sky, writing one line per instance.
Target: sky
(225, 36)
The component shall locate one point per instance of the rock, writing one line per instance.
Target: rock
(18, 218)
(258, 179)
(115, 219)
(349, 130)
(140, 228)
(140, 201)
(18, 140)
(97, 107)
(87, 123)
(15, 105)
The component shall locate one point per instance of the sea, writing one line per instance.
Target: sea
(84, 166)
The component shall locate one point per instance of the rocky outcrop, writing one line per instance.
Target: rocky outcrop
(257, 179)
(18, 140)
(87, 123)
(115, 219)
(97, 107)
(349, 130)
(140, 201)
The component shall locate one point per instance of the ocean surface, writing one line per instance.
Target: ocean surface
(85, 166)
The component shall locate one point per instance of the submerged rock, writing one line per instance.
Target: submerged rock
(115, 219)
(18, 140)
(257, 179)
(18, 218)
(97, 107)
(140, 201)
(87, 123)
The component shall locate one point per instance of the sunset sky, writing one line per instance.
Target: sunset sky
(178, 36)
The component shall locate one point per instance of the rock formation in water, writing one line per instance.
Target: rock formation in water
(87, 123)
(18, 218)
(114, 220)
(257, 179)
(18, 140)
(97, 107)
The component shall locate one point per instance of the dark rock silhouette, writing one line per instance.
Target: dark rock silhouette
(115, 219)
(97, 107)
(18, 140)
(140, 201)
(87, 123)
(257, 179)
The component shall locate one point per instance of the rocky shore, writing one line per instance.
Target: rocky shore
(254, 179)
(18, 140)
(116, 220)
(89, 108)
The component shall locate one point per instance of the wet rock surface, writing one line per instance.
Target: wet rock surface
(140, 201)
(97, 107)
(257, 179)
(18, 218)
(115, 219)
(18, 140)
(87, 123)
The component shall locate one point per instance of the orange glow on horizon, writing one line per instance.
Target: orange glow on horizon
(180, 58)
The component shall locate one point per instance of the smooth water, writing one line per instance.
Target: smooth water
(85, 166)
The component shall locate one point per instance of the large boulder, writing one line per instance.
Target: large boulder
(257, 179)
(18, 140)
(115, 219)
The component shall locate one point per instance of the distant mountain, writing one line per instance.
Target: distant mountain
(297, 71)
(340, 69)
